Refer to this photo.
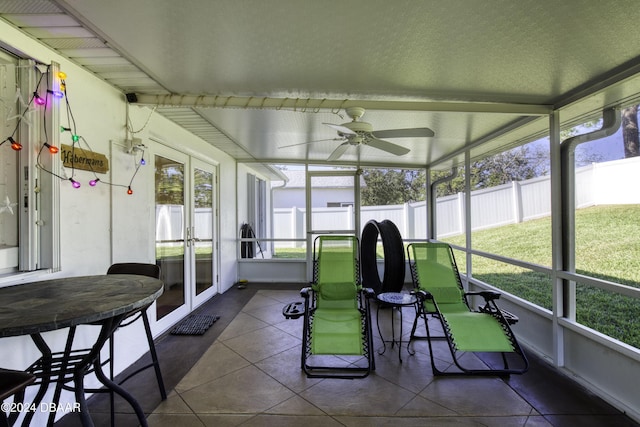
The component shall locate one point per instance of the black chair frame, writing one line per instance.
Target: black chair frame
(12, 383)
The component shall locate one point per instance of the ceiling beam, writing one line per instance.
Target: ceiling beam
(313, 104)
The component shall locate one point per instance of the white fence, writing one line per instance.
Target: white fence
(170, 223)
(597, 184)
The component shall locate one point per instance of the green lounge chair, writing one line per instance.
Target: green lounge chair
(337, 339)
(438, 285)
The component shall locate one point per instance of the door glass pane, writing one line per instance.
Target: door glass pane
(169, 190)
(203, 229)
(8, 170)
(288, 201)
(332, 203)
(396, 195)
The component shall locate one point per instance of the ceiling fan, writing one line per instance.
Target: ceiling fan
(357, 133)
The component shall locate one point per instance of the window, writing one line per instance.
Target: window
(606, 239)
(398, 195)
(29, 227)
(510, 218)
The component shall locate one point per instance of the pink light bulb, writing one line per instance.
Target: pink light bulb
(75, 183)
(93, 182)
(37, 99)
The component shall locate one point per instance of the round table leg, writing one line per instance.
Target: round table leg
(394, 336)
(384, 348)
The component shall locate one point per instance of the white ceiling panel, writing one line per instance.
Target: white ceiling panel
(495, 55)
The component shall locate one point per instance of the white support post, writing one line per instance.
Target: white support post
(556, 238)
(516, 194)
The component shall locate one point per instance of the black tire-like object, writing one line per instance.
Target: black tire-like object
(394, 260)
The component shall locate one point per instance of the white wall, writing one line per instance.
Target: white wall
(103, 224)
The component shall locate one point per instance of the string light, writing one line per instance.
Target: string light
(56, 93)
(75, 138)
(14, 144)
(37, 99)
(52, 148)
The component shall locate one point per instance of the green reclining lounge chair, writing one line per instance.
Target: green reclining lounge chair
(438, 285)
(337, 339)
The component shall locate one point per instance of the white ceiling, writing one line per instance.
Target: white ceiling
(275, 71)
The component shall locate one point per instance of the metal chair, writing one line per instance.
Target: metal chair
(337, 320)
(141, 269)
(12, 383)
(442, 296)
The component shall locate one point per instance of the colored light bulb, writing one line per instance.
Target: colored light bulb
(75, 138)
(37, 99)
(129, 190)
(62, 75)
(64, 129)
(52, 148)
(142, 161)
(15, 144)
(75, 183)
(93, 182)
(57, 94)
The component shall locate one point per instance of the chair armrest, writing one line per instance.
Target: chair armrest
(421, 294)
(487, 295)
(369, 292)
(305, 292)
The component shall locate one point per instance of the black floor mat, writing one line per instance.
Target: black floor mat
(195, 324)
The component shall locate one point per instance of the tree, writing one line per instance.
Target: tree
(169, 184)
(392, 186)
(630, 137)
(512, 165)
(517, 164)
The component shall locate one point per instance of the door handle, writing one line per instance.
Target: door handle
(190, 239)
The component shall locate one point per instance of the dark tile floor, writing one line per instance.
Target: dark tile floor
(245, 371)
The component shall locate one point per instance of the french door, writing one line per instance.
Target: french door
(332, 206)
(186, 233)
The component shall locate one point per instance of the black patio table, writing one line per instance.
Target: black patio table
(34, 308)
(394, 300)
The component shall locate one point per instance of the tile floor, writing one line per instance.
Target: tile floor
(250, 375)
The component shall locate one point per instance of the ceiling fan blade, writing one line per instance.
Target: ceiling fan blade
(339, 151)
(387, 146)
(311, 142)
(342, 129)
(404, 133)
